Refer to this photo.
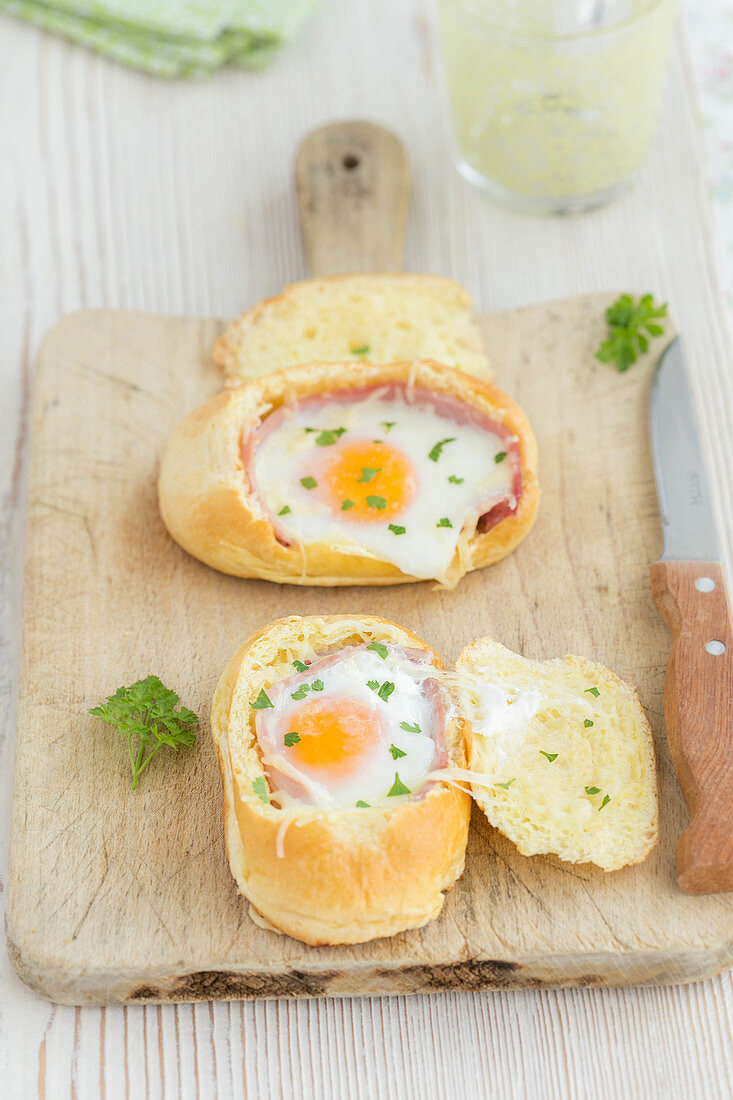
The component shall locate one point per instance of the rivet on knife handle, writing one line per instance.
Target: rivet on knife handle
(698, 710)
(353, 185)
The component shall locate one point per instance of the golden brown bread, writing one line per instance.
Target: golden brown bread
(337, 876)
(211, 511)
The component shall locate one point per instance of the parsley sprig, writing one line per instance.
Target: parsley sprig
(145, 714)
(630, 324)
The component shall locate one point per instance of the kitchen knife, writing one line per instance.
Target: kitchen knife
(689, 590)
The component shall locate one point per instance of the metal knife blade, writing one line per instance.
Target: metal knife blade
(688, 520)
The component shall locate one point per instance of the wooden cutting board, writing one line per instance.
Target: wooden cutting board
(118, 895)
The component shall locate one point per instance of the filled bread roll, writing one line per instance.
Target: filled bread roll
(327, 732)
(343, 473)
(367, 318)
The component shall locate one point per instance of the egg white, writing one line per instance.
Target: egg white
(427, 546)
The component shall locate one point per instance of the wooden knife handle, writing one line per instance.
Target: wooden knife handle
(698, 710)
(353, 185)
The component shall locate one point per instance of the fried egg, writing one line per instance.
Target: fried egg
(361, 727)
(395, 471)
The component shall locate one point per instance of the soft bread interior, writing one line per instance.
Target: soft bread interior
(567, 755)
(337, 876)
(373, 318)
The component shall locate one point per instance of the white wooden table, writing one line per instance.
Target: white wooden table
(116, 190)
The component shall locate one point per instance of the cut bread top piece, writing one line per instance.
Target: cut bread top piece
(373, 318)
(569, 753)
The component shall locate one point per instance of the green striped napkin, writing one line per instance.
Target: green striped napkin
(172, 37)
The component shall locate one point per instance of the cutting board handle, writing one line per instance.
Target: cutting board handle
(353, 185)
(698, 710)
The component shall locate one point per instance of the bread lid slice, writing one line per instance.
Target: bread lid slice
(562, 755)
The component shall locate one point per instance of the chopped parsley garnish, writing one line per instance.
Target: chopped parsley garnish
(346, 504)
(626, 319)
(388, 425)
(396, 529)
(444, 522)
(328, 437)
(456, 480)
(380, 648)
(363, 805)
(262, 701)
(414, 728)
(606, 800)
(396, 753)
(587, 723)
(291, 738)
(550, 755)
(363, 349)
(508, 783)
(500, 456)
(300, 666)
(592, 790)
(592, 691)
(373, 684)
(308, 482)
(379, 503)
(385, 691)
(284, 510)
(367, 473)
(398, 787)
(317, 685)
(435, 452)
(259, 786)
(301, 692)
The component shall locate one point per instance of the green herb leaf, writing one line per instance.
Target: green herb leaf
(592, 790)
(550, 755)
(398, 787)
(363, 349)
(606, 800)
(284, 510)
(628, 320)
(367, 473)
(396, 529)
(328, 437)
(308, 482)
(508, 784)
(145, 714)
(456, 480)
(300, 666)
(301, 692)
(414, 728)
(587, 723)
(291, 738)
(396, 753)
(259, 786)
(385, 691)
(346, 504)
(373, 684)
(388, 425)
(262, 701)
(500, 456)
(380, 648)
(363, 805)
(317, 685)
(435, 452)
(444, 522)
(592, 691)
(376, 502)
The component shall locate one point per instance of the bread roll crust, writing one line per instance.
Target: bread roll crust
(209, 509)
(337, 876)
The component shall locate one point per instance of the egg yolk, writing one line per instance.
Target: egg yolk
(369, 481)
(334, 734)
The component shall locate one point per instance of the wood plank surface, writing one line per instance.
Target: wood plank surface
(124, 192)
(117, 894)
